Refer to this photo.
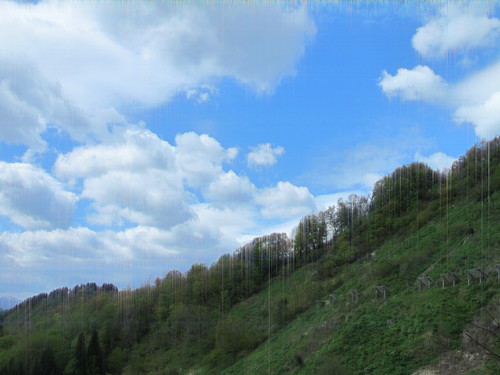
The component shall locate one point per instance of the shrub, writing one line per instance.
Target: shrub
(385, 267)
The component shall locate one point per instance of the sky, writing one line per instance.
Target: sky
(138, 138)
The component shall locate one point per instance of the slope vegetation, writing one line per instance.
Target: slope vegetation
(307, 305)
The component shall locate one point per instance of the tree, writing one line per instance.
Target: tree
(48, 362)
(95, 363)
(80, 356)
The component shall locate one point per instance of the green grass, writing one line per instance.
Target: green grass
(398, 335)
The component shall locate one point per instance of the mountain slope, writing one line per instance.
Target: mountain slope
(408, 329)
(284, 307)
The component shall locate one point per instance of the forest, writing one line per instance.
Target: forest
(285, 305)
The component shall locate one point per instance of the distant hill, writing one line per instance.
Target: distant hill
(8, 302)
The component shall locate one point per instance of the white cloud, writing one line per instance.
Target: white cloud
(234, 221)
(32, 198)
(437, 161)
(79, 53)
(151, 197)
(264, 155)
(419, 83)
(135, 178)
(229, 188)
(477, 87)
(484, 117)
(138, 178)
(456, 29)
(285, 200)
(133, 149)
(201, 94)
(62, 66)
(29, 105)
(474, 98)
(199, 157)
(78, 255)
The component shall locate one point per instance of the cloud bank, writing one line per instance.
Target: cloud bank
(63, 64)
(123, 201)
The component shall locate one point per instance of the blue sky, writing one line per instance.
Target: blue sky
(136, 139)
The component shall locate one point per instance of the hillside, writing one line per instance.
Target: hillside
(307, 305)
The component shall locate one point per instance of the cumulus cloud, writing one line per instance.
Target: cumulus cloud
(132, 179)
(74, 57)
(133, 149)
(29, 105)
(229, 188)
(477, 87)
(419, 83)
(62, 67)
(285, 200)
(456, 29)
(484, 117)
(33, 199)
(151, 197)
(437, 161)
(199, 157)
(264, 155)
(232, 220)
(126, 258)
(474, 98)
(139, 178)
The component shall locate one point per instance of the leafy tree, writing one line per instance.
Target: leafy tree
(80, 367)
(116, 361)
(48, 362)
(95, 363)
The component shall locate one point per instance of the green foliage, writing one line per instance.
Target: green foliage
(386, 268)
(95, 364)
(115, 361)
(232, 335)
(257, 310)
(47, 363)
(80, 359)
(329, 365)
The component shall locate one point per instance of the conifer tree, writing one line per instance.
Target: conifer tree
(80, 356)
(95, 363)
(48, 362)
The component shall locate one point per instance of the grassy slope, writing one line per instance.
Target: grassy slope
(396, 336)
(282, 331)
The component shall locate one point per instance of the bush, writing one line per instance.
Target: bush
(233, 335)
(385, 268)
(281, 313)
